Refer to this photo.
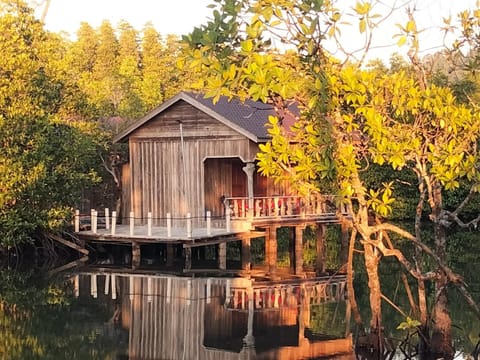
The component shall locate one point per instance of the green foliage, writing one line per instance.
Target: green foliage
(409, 324)
(44, 160)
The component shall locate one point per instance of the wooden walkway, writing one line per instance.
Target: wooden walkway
(157, 234)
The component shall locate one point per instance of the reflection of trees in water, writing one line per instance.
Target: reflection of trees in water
(463, 253)
(39, 319)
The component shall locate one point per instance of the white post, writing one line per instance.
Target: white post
(113, 282)
(189, 225)
(95, 220)
(227, 293)
(149, 224)
(149, 289)
(114, 222)
(107, 218)
(169, 225)
(228, 221)
(209, 223)
(93, 286)
(189, 291)
(209, 290)
(107, 283)
(77, 220)
(132, 223)
(130, 287)
(76, 285)
(169, 289)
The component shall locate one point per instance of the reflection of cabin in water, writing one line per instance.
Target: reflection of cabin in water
(172, 317)
(193, 162)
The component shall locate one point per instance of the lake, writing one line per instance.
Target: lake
(110, 312)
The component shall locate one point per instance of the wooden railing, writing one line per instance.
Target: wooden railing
(315, 291)
(283, 206)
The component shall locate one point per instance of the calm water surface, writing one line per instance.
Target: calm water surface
(94, 313)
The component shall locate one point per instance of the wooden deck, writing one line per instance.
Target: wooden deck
(159, 234)
(243, 216)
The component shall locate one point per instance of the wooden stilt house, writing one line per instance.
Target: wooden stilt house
(190, 155)
(192, 164)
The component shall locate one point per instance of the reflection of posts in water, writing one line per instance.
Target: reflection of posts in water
(249, 339)
(320, 248)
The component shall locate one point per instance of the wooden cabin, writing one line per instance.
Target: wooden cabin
(190, 155)
(192, 163)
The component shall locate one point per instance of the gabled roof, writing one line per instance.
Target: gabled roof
(248, 118)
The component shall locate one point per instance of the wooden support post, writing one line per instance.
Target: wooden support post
(222, 256)
(320, 247)
(132, 223)
(169, 225)
(94, 221)
(114, 222)
(188, 258)
(189, 225)
(170, 254)
(298, 250)
(77, 221)
(209, 223)
(149, 224)
(246, 255)
(271, 248)
(107, 218)
(136, 254)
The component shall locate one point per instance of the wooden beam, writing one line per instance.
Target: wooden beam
(70, 244)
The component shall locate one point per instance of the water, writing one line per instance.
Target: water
(133, 315)
(119, 313)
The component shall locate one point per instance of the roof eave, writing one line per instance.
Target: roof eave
(192, 101)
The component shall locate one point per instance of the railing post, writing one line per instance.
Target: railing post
(114, 222)
(132, 223)
(189, 225)
(107, 218)
(209, 223)
(94, 221)
(77, 220)
(169, 225)
(149, 224)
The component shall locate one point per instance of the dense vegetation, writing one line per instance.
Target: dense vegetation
(60, 102)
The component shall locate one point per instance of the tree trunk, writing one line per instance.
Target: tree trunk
(372, 259)
(441, 340)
